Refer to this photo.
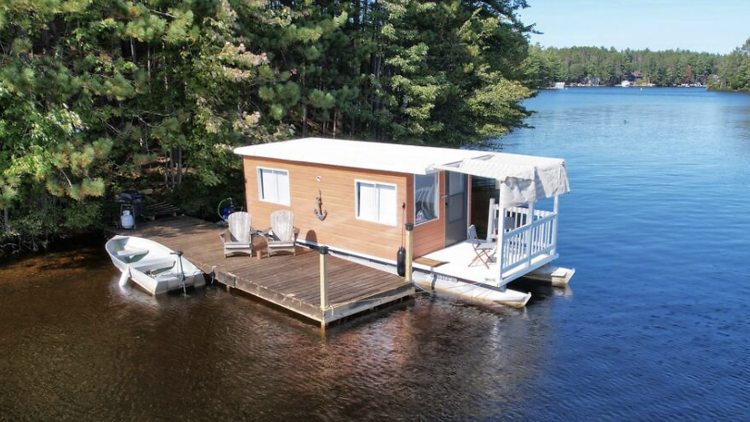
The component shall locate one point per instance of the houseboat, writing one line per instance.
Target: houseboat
(357, 198)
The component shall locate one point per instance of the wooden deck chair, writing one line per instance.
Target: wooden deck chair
(482, 249)
(282, 234)
(237, 239)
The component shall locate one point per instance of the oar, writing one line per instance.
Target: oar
(125, 276)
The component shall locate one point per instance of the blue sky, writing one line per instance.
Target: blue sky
(716, 26)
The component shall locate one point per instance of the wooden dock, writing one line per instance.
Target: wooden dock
(290, 281)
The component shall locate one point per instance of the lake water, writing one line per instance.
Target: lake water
(655, 325)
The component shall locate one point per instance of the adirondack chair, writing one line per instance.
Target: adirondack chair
(238, 237)
(482, 248)
(282, 234)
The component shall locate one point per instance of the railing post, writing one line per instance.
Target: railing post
(491, 220)
(530, 234)
(409, 252)
(500, 241)
(554, 225)
(323, 277)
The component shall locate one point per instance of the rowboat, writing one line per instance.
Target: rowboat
(152, 266)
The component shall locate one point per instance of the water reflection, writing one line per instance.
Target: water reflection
(656, 227)
(96, 348)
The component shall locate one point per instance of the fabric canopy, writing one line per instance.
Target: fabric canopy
(520, 178)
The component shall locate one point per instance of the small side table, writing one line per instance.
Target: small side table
(260, 245)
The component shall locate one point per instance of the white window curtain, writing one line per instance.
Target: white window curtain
(425, 197)
(368, 201)
(274, 185)
(377, 202)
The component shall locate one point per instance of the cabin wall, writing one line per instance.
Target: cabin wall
(341, 229)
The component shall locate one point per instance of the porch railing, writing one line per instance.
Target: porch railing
(528, 233)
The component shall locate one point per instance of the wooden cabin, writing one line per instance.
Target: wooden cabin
(355, 197)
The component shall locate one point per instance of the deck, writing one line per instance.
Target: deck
(289, 281)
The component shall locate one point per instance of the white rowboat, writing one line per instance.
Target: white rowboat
(151, 265)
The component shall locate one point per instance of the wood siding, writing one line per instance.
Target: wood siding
(341, 229)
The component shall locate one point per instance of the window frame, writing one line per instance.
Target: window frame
(356, 201)
(259, 175)
(437, 199)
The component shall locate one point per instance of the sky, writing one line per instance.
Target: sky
(714, 26)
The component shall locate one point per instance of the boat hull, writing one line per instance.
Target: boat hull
(172, 280)
(152, 266)
(472, 291)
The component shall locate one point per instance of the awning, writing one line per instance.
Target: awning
(520, 178)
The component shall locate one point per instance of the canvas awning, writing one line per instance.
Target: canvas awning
(520, 178)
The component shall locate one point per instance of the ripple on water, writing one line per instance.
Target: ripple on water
(654, 326)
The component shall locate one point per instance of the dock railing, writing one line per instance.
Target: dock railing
(527, 234)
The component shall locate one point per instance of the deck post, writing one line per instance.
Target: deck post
(409, 251)
(554, 224)
(500, 240)
(323, 279)
(529, 234)
(491, 221)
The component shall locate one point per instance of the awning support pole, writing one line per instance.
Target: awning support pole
(500, 241)
(529, 234)
(554, 225)
(491, 222)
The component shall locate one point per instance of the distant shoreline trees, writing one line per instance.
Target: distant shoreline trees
(734, 71)
(608, 67)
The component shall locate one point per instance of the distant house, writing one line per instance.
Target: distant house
(637, 75)
(594, 81)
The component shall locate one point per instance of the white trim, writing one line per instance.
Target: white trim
(260, 185)
(437, 198)
(356, 201)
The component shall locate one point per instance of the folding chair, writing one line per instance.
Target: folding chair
(482, 249)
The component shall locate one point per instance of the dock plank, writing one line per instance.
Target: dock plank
(290, 281)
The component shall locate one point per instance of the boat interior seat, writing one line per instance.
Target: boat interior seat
(156, 272)
(131, 252)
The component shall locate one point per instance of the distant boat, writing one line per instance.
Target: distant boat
(625, 84)
(559, 85)
(151, 265)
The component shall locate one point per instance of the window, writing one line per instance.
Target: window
(425, 197)
(273, 185)
(376, 202)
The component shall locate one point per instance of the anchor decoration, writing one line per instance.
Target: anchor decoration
(320, 212)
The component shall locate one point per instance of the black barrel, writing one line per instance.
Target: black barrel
(401, 261)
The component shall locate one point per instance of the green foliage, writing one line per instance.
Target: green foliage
(98, 96)
(395, 70)
(734, 73)
(610, 67)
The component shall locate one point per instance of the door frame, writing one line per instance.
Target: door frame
(467, 206)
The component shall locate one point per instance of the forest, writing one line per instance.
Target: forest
(101, 96)
(734, 72)
(608, 66)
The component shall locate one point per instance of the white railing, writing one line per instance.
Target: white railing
(525, 238)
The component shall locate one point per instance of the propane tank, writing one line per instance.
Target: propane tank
(126, 220)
